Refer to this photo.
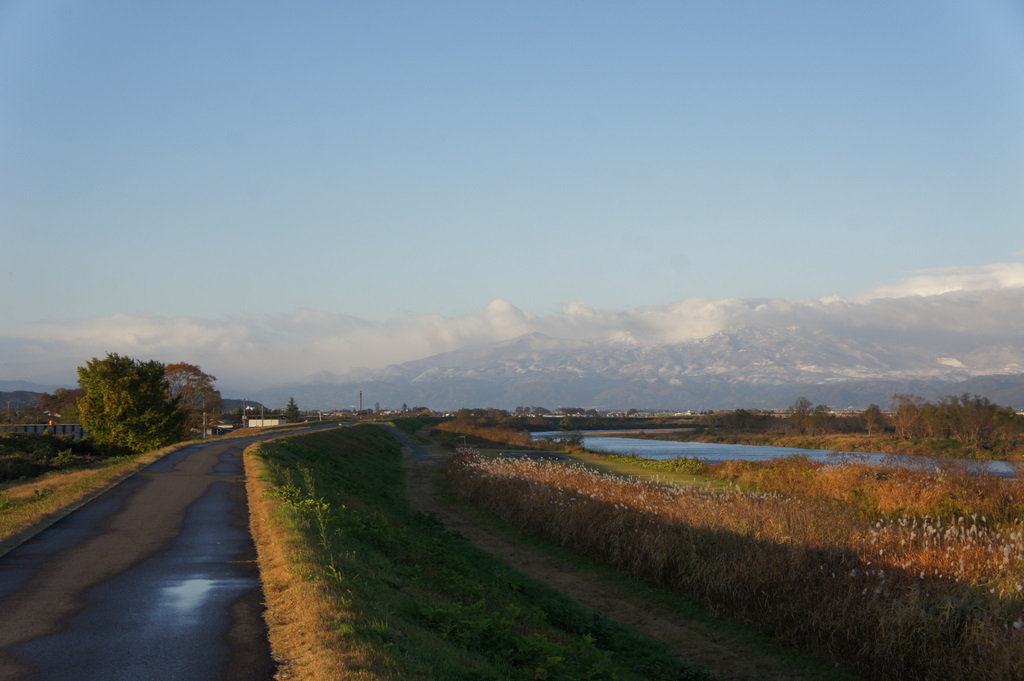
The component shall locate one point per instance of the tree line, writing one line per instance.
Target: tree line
(968, 419)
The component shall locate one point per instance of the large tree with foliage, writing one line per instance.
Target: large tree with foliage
(128, 403)
(196, 395)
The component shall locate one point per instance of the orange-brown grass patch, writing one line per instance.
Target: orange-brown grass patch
(893, 597)
(948, 491)
(481, 434)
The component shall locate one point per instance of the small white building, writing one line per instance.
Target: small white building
(263, 423)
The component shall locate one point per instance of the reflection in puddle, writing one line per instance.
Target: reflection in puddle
(189, 594)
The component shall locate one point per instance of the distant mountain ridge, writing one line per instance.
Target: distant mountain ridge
(26, 386)
(745, 367)
(18, 399)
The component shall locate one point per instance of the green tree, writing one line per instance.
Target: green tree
(196, 395)
(291, 411)
(127, 403)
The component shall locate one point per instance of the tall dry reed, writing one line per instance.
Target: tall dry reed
(890, 596)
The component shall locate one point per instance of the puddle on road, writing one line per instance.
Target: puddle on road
(188, 595)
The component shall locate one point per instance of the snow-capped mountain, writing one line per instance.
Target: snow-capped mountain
(744, 367)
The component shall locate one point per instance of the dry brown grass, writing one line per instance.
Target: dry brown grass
(894, 596)
(483, 433)
(948, 491)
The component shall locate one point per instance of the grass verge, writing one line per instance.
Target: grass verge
(360, 586)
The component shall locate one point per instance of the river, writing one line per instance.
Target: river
(714, 453)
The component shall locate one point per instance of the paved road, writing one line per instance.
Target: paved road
(155, 579)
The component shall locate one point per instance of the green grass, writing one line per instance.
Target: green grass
(682, 470)
(425, 603)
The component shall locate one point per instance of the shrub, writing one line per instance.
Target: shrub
(25, 455)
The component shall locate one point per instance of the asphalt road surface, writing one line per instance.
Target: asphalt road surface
(154, 579)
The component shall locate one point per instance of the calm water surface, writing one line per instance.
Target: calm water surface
(714, 453)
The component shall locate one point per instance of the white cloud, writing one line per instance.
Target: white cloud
(256, 351)
(249, 353)
(950, 279)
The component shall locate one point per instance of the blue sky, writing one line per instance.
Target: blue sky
(372, 162)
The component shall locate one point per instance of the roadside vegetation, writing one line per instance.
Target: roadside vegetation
(360, 586)
(895, 575)
(24, 455)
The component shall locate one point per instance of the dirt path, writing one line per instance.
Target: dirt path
(720, 652)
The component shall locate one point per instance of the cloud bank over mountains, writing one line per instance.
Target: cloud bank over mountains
(950, 279)
(971, 319)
